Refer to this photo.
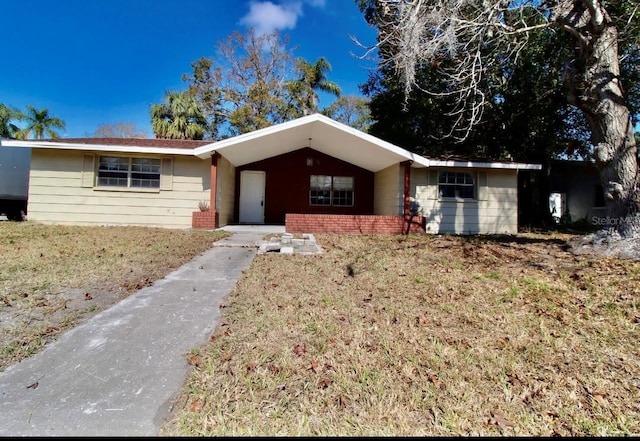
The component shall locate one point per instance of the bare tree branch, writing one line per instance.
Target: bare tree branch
(462, 32)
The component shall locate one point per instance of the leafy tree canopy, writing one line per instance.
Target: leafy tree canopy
(254, 81)
(526, 113)
(311, 78)
(39, 123)
(179, 117)
(528, 118)
(351, 110)
(8, 116)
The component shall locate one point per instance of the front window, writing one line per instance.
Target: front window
(331, 190)
(129, 172)
(456, 185)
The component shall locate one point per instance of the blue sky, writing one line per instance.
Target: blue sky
(106, 61)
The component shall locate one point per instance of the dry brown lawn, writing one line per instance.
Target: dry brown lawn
(379, 335)
(422, 335)
(54, 277)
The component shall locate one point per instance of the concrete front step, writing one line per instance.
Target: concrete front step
(287, 244)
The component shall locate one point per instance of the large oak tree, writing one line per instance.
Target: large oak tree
(464, 40)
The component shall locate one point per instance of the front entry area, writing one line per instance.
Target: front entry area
(252, 186)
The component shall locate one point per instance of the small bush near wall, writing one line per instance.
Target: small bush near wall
(361, 224)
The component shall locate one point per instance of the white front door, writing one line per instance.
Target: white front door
(252, 197)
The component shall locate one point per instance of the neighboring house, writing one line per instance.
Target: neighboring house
(311, 174)
(575, 191)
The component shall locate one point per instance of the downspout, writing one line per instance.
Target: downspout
(214, 189)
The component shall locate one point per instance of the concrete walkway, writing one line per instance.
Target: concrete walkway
(118, 373)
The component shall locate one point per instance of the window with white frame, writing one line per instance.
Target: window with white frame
(456, 185)
(331, 190)
(129, 172)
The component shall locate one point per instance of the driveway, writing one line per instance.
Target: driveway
(119, 373)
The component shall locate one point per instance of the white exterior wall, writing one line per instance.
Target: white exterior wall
(226, 191)
(388, 188)
(61, 191)
(494, 211)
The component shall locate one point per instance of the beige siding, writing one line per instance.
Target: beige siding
(494, 212)
(226, 191)
(388, 191)
(57, 194)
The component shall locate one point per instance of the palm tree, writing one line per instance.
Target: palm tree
(179, 117)
(7, 128)
(313, 77)
(40, 122)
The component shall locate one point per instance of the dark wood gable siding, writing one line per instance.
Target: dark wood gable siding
(287, 184)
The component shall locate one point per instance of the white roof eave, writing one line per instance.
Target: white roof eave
(96, 147)
(477, 164)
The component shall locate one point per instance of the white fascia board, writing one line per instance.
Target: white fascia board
(98, 147)
(494, 165)
(13, 143)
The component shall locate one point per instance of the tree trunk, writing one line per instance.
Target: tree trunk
(593, 81)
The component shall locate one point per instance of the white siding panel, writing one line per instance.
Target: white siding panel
(47, 217)
(166, 175)
(140, 201)
(388, 190)
(73, 181)
(496, 211)
(483, 186)
(56, 194)
(120, 210)
(88, 170)
(420, 189)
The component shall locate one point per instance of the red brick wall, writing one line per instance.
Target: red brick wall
(334, 223)
(204, 220)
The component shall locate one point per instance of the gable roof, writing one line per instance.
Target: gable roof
(318, 132)
(315, 131)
